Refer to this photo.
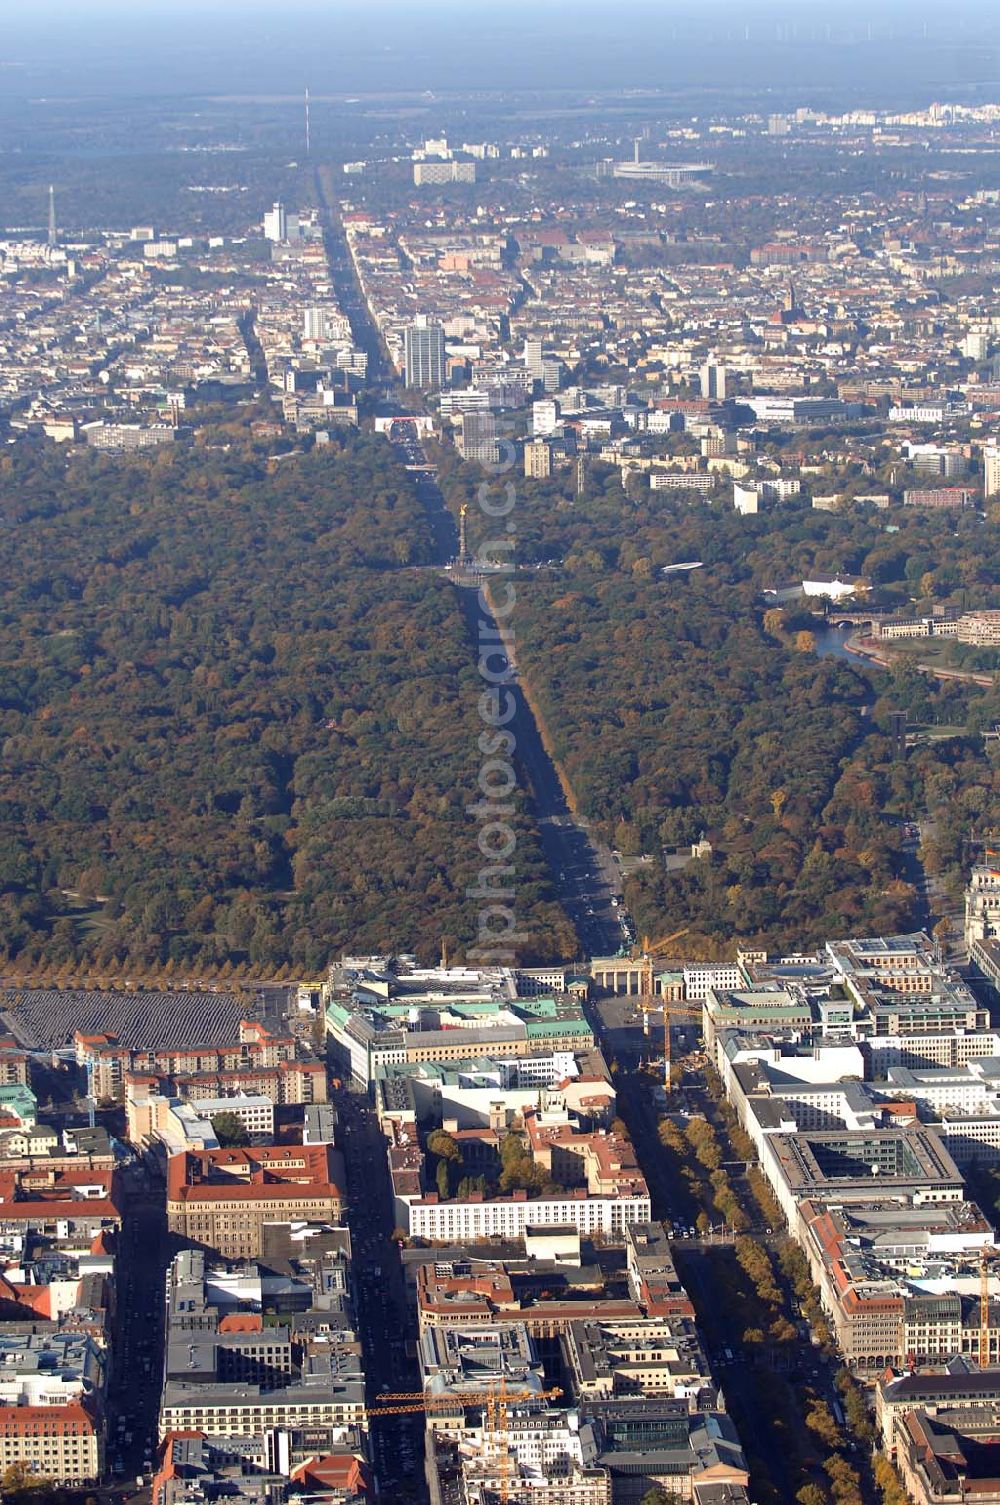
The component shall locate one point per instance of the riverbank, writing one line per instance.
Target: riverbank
(865, 648)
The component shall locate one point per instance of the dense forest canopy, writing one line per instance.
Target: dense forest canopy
(674, 715)
(677, 705)
(237, 728)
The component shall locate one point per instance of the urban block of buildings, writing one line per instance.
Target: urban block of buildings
(865, 1078)
(223, 1199)
(256, 1064)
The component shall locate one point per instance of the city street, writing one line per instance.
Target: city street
(385, 1325)
(706, 1265)
(134, 1395)
(387, 1328)
(584, 871)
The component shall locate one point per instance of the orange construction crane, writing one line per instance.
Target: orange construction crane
(647, 994)
(984, 1308)
(496, 1421)
(495, 1401)
(647, 950)
(408, 1402)
(671, 1011)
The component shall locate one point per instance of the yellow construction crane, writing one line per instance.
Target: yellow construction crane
(496, 1421)
(984, 1307)
(671, 1011)
(495, 1402)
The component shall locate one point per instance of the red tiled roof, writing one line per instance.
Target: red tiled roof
(35, 1299)
(339, 1471)
(70, 1419)
(269, 1173)
(38, 1192)
(90, 1207)
(242, 1322)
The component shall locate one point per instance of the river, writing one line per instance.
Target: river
(831, 642)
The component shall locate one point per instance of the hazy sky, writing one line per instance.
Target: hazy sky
(19, 18)
(80, 48)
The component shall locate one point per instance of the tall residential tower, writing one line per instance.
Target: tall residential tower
(423, 353)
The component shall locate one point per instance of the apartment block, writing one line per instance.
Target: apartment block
(257, 1063)
(59, 1443)
(439, 172)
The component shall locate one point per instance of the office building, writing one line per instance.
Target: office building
(597, 1185)
(51, 1400)
(256, 1114)
(62, 1444)
(58, 1201)
(534, 359)
(982, 903)
(713, 382)
(303, 1280)
(437, 172)
(960, 1384)
(949, 1458)
(478, 439)
(221, 1199)
(937, 460)
(437, 1015)
(258, 1470)
(867, 1173)
(553, 375)
(322, 1402)
(181, 1124)
(547, 1457)
(544, 417)
(465, 400)
(276, 223)
(228, 1370)
(537, 460)
(642, 1357)
(484, 1093)
(423, 354)
(45, 1369)
(325, 323)
(980, 629)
